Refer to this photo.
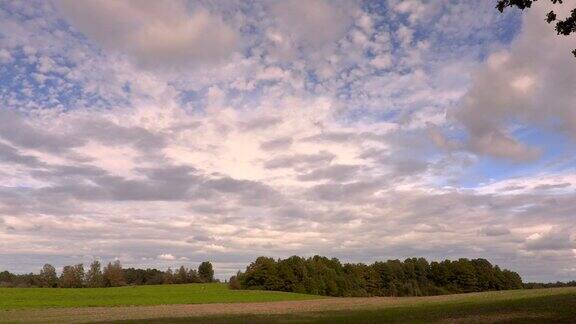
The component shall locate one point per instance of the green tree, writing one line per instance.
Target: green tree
(48, 277)
(72, 276)
(193, 276)
(206, 272)
(94, 276)
(114, 275)
(234, 283)
(411, 277)
(181, 275)
(168, 277)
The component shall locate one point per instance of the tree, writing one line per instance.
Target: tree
(48, 277)
(193, 276)
(234, 283)
(114, 275)
(72, 276)
(411, 277)
(181, 275)
(563, 27)
(94, 276)
(206, 272)
(168, 277)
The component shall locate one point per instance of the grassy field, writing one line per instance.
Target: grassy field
(555, 305)
(214, 303)
(19, 298)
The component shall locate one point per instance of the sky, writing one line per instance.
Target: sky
(166, 133)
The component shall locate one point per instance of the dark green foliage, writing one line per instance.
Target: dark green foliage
(206, 272)
(143, 276)
(193, 276)
(72, 276)
(94, 276)
(234, 283)
(558, 284)
(8, 279)
(563, 27)
(412, 277)
(113, 275)
(48, 277)
(168, 277)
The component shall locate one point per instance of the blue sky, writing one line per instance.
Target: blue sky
(164, 133)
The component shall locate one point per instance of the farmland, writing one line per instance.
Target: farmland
(19, 298)
(213, 303)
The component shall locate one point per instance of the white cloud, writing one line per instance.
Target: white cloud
(166, 257)
(313, 23)
(532, 83)
(326, 149)
(5, 56)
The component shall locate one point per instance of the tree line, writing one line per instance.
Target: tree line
(557, 284)
(411, 277)
(112, 275)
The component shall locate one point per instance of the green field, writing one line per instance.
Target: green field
(214, 303)
(554, 305)
(19, 298)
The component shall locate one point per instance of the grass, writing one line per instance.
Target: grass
(556, 305)
(22, 298)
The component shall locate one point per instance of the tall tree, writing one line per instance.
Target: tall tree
(206, 272)
(94, 276)
(193, 276)
(181, 275)
(168, 277)
(563, 27)
(114, 275)
(72, 276)
(411, 277)
(48, 277)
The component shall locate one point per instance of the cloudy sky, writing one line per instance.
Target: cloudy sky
(165, 133)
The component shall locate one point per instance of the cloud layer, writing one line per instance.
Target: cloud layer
(179, 132)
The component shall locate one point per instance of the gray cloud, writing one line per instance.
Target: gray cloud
(316, 23)
(337, 137)
(552, 186)
(109, 133)
(344, 192)
(516, 85)
(249, 192)
(21, 134)
(554, 240)
(147, 171)
(295, 160)
(11, 155)
(260, 123)
(495, 231)
(400, 160)
(337, 173)
(166, 34)
(276, 144)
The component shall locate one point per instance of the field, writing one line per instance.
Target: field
(18, 298)
(214, 303)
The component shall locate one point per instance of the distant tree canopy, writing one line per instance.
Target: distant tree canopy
(563, 27)
(113, 275)
(206, 272)
(411, 277)
(48, 277)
